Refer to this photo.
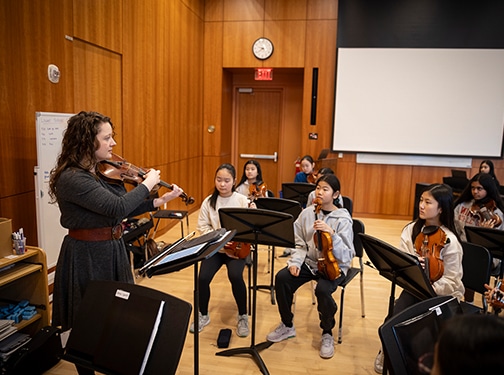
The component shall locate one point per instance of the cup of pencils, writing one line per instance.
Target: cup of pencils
(19, 242)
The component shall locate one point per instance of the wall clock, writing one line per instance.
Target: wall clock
(262, 48)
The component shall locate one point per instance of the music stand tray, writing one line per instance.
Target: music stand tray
(298, 191)
(257, 226)
(288, 206)
(399, 267)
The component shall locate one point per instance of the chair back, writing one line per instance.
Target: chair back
(348, 204)
(476, 264)
(358, 227)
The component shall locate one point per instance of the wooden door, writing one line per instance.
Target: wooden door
(258, 116)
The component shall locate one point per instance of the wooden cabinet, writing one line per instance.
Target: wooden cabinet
(24, 277)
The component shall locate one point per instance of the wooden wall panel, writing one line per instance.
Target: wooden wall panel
(320, 36)
(238, 38)
(322, 9)
(380, 190)
(288, 38)
(243, 10)
(99, 22)
(97, 74)
(277, 10)
(32, 36)
(214, 10)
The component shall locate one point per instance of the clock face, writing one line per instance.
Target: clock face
(262, 48)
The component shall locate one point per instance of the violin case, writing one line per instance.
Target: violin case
(42, 352)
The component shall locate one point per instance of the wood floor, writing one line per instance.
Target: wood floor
(299, 355)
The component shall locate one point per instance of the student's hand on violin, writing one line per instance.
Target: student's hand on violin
(168, 196)
(294, 271)
(152, 178)
(322, 226)
(489, 293)
(422, 261)
(490, 223)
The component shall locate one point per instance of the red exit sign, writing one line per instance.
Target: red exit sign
(263, 74)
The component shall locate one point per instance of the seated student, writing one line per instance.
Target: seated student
(224, 195)
(470, 344)
(435, 212)
(479, 205)
(251, 183)
(307, 169)
(303, 264)
(487, 166)
(338, 202)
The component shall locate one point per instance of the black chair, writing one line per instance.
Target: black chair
(476, 263)
(358, 227)
(348, 204)
(412, 333)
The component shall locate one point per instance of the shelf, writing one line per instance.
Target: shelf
(24, 323)
(18, 271)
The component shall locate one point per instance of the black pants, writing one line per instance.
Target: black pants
(286, 285)
(209, 268)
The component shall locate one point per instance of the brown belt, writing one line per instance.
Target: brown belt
(97, 234)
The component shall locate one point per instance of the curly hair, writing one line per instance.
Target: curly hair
(78, 146)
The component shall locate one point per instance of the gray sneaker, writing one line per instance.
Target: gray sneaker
(203, 320)
(242, 329)
(378, 363)
(327, 346)
(282, 332)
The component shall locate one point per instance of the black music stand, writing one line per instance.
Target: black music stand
(399, 267)
(298, 191)
(278, 205)
(257, 226)
(215, 241)
(123, 328)
(492, 239)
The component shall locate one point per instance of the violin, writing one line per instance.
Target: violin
(428, 245)
(118, 169)
(327, 264)
(239, 250)
(312, 177)
(497, 296)
(486, 212)
(257, 190)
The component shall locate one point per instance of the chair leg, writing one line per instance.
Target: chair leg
(340, 327)
(362, 294)
(313, 285)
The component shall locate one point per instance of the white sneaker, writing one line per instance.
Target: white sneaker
(242, 329)
(282, 332)
(378, 363)
(327, 346)
(203, 320)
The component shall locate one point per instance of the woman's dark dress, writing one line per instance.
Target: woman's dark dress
(86, 201)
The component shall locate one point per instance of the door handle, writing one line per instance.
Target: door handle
(273, 157)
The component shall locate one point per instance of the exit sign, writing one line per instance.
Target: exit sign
(263, 74)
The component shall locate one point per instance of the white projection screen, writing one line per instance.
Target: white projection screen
(431, 93)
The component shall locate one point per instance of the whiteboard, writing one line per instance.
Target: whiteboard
(50, 128)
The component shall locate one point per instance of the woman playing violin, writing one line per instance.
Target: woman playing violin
(303, 264)
(480, 196)
(92, 211)
(435, 211)
(251, 183)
